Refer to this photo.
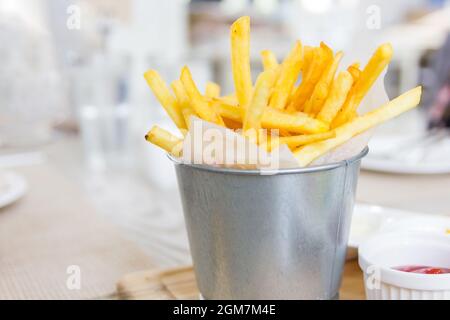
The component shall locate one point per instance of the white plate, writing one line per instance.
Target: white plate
(370, 220)
(389, 154)
(12, 188)
(397, 166)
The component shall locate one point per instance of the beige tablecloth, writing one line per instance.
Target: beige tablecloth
(54, 227)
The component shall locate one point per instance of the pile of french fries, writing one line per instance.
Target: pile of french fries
(312, 105)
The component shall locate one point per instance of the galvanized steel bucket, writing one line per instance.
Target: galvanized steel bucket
(280, 236)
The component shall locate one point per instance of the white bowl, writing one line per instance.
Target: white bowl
(379, 255)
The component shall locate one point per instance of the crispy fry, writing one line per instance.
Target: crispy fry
(283, 133)
(269, 60)
(338, 94)
(162, 93)
(165, 140)
(296, 141)
(231, 124)
(212, 90)
(183, 100)
(228, 111)
(229, 99)
(392, 109)
(240, 60)
(297, 122)
(289, 73)
(260, 100)
(200, 105)
(369, 75)
(355, 71)
(321, 58)
(308, 53)
(321, 91)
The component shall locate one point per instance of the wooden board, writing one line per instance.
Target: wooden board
(180, 284)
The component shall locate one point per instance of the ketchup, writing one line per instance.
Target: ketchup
(423, 269)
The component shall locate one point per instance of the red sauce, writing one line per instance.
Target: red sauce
(423, 269)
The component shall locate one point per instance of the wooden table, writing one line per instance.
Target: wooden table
(179, 283)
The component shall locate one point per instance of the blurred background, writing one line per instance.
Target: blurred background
(74, 109)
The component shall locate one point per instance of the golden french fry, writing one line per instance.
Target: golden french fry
(355, 71)
(165, 140)
(229, 99)
(212, 90)
(290, 70)
(240, 60)
(199, 103)
(294, 122)
(369, 75)
(296, 141)
(321, 58)
(409, 100)
(231, 124)
(308, 53)
(336, 99)
(228, 111)
(183, 101)
(284, 133)
(297, 122)
(321, 91)
(260, 100)
(328, 50)
(162, 93)
(269, 60)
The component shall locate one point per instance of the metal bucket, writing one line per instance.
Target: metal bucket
(281, 236)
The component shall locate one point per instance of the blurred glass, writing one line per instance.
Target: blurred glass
(31, 91)
(101, 90)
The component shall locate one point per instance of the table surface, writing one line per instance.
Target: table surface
(113, 224)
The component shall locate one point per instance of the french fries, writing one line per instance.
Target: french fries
(240, 60)
(369, 75)
(403, 103)
(230, 99)
(269, 60)
(212, 90)
(165, 140)
(259, 102)
(321, 90)
(311, 118)
(290, 69)
(321, 58)
(183, 101)
(199, 103)
(308, 53)
(355, 71)
(335, 100)
(162, 93)
(298, 122)
(294, 142)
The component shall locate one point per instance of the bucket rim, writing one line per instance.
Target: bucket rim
(275, 172)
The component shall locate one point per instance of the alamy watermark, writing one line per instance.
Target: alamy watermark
(373, 278)
(73, 281)
(74, 17)
(373, 21)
